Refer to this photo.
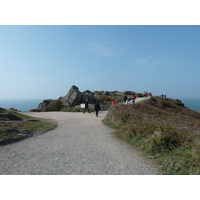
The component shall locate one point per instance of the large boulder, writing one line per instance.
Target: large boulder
(50, 105)
(74, 97)
(88, 95)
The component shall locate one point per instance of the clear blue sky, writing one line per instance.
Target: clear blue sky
(41, 62)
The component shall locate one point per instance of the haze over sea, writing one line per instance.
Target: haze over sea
(20, 104)
(28, 104)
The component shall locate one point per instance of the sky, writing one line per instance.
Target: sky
(41, 62)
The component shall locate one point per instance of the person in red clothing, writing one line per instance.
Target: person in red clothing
(133, 98)
(113, 102)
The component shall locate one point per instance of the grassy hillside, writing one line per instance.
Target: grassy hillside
(21, 127)
(162, 128)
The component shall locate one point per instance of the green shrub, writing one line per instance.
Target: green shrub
(179, 103)
(104, 98)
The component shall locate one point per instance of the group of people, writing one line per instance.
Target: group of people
(96, 107)
(128, 99)
(163, 96)
(145, 94)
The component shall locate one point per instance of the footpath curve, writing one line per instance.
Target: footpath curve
(81, 144)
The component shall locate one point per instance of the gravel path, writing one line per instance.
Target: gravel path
(80, 144)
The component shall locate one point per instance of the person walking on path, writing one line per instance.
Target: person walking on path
(133, 98)
(125, 98)
(97, 108)
(113, 102)
(86, 106)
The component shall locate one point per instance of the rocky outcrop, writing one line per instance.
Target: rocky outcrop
(74, 97)
(50, 105)
(88, 95)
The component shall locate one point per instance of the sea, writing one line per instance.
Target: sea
(29, 104)
(193, 104)
(20, 104)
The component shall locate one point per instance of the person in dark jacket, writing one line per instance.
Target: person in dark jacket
(97, 108)
(133, 98)
(86, 106)
(125, 98)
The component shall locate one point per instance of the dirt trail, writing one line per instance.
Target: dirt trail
(81, 144)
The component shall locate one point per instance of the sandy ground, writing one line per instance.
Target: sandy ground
(81, 144)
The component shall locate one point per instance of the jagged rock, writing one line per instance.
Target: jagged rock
(88, 95)
(59, 98)
(88, 92)
(74, 97)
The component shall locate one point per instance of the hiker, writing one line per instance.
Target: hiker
(113, 102)
(86, 106)
(97, 108)
(146, 94)
(133, 98)
(125, 98)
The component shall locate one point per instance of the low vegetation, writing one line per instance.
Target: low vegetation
(163, 129)
(23, 126)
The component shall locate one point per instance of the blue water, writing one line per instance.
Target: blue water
(193, 104)
(20, 104)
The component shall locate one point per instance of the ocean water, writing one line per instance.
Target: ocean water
(193, 104)
(20, 104)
